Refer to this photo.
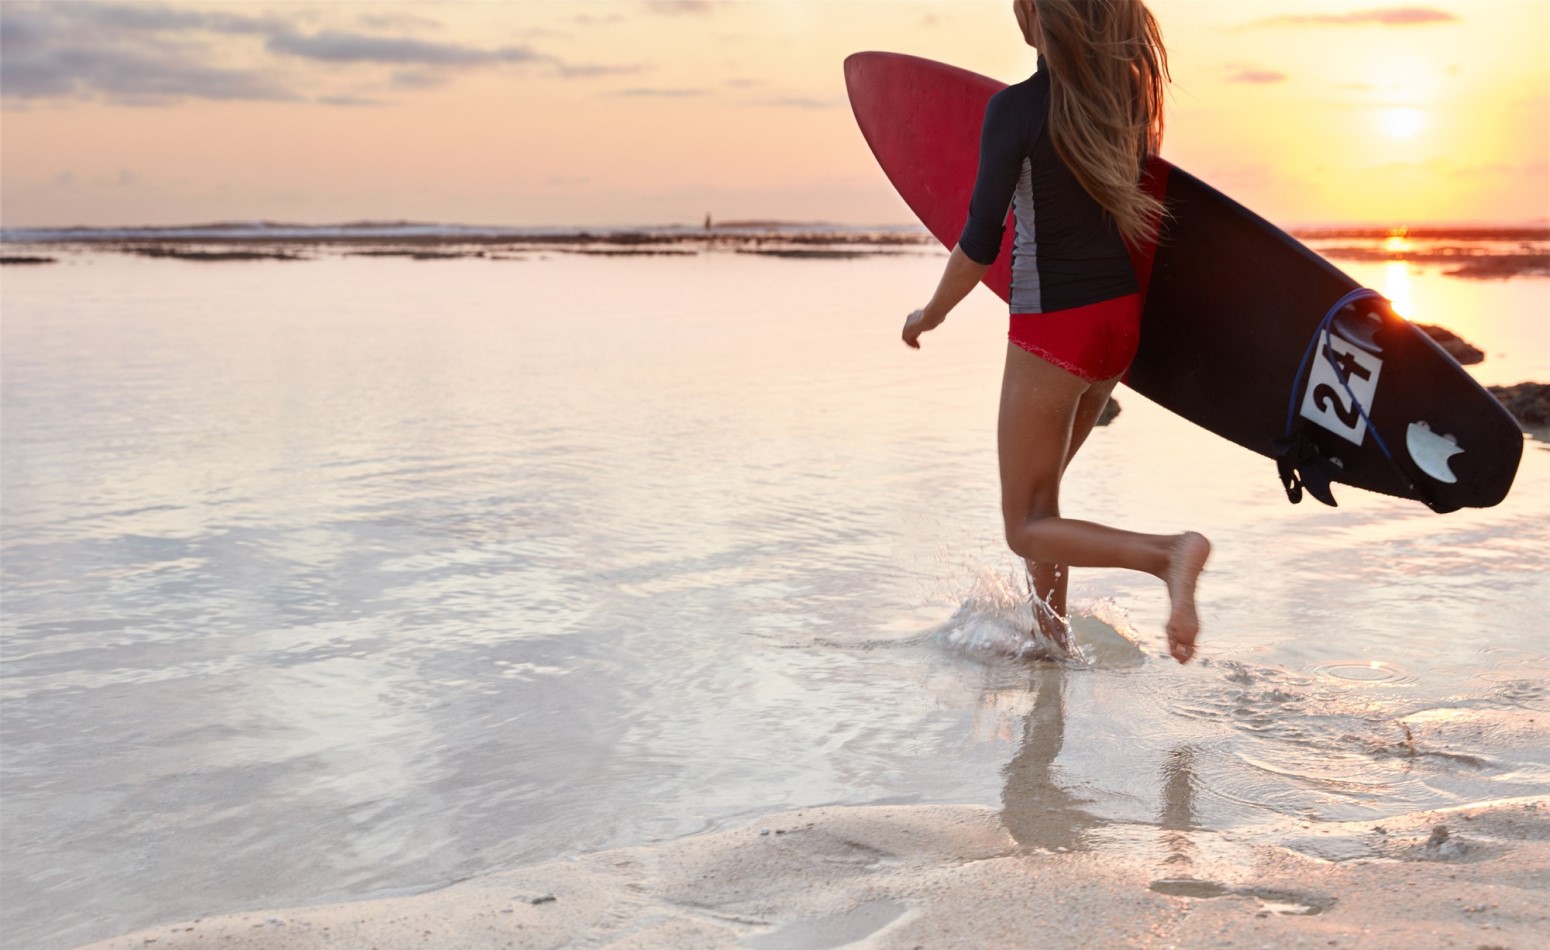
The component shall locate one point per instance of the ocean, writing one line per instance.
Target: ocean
(358, 574)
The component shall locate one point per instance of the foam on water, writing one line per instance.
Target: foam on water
(996, 622)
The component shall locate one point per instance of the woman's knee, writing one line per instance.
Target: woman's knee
(1021, 529)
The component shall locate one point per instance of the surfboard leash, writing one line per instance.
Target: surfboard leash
(1297, 458)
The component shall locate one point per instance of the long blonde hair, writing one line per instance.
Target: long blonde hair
(1108, 69)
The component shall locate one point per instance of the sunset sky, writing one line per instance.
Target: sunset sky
(630, 112)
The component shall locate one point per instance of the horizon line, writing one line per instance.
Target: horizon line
(1539, 223)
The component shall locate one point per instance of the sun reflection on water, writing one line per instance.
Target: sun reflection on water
(1396, 287)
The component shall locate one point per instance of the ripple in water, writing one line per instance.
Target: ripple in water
(1364, 671)
(1520, 693)
(1317, 743)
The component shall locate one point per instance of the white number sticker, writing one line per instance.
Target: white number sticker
(1326, 402)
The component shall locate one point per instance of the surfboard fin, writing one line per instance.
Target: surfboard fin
(1301, 466)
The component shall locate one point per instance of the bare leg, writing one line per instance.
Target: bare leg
(1040, 405)
(1049, 581)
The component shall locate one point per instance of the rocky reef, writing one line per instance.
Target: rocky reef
(1466, 353)
(1529, 403)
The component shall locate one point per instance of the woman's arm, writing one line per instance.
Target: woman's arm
(958, 278)
(1002, 147)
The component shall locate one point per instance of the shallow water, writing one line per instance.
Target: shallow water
(352, 577)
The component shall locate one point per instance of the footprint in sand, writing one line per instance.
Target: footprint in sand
(1269, 900)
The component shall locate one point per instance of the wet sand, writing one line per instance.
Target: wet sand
(954, 875)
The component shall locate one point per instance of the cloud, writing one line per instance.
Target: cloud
(156, 54)
(1489, 171)
(130, 54)
(351, 101)
(99, 21)
(796, 102)
(131, 78)
(1390, 16)
(416, 79)
(1257, 76)
(647, 92)
(676, 7)
(335, 46)
(584, 70)
(398, 21)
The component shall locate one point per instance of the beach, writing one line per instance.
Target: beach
(933, 876)
(532, 596)
(463, 482)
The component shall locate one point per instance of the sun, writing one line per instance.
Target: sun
(1403, 122)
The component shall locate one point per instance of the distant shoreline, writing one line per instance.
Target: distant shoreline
(212, 245)
(798, 231)
(1474, 252)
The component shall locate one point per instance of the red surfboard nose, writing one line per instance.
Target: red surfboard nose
(922, 121)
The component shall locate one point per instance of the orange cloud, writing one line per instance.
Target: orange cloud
(1392, 16)
(1257, 76)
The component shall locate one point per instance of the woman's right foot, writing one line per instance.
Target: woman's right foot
(1185, 562)
(1050, 626)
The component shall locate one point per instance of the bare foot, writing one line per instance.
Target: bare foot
(1051, 625)
(1185, 562)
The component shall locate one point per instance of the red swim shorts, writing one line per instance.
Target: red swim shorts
(1095, 342)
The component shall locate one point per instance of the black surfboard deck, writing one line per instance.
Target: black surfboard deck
(1232, 304)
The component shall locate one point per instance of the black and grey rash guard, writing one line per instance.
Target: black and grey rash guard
(1066, 251)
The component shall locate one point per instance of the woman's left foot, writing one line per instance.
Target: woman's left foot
(1185, 562)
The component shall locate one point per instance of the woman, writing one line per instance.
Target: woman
(1064, 150)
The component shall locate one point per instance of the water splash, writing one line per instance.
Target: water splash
(1000, 619)
(996, 619)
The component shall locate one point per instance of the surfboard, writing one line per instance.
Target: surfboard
(1240, 333)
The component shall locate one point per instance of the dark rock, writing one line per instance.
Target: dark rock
(25, 259)
(1443, 846)
(184, 254)
(1465, 353)
(1110, 410)
(634, 252)
(1504, 267)
(807, 253)
(416, 255)
(1529, 403)
(1530, 262)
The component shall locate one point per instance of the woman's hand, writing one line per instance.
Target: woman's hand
(958, 278)
(916, 324)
